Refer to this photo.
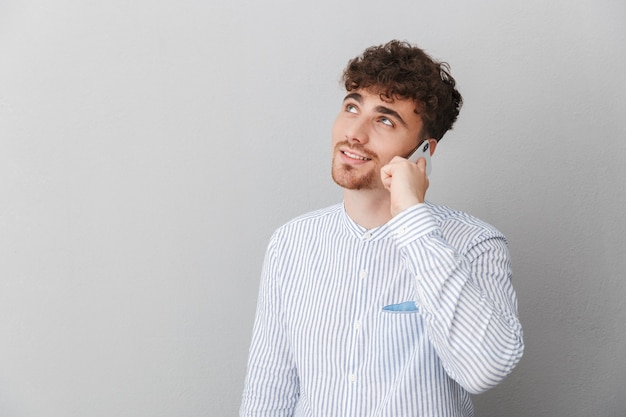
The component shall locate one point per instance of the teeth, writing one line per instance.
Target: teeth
(353, 156)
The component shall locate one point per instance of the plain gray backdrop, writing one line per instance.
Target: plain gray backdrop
(148, 149)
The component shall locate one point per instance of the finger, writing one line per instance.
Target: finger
(386, 171)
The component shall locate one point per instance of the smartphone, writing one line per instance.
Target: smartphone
(422, 151)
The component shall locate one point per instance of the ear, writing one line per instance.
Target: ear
(433, 144)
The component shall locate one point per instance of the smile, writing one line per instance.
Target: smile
(355, 156)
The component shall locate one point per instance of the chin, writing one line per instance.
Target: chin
(346, 178)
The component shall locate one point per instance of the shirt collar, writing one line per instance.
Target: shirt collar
(361, 233)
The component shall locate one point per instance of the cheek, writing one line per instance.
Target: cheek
(387, 155)
(337, 130)
(338, 136)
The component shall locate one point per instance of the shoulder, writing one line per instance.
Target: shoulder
(310, 223)
(323, 214)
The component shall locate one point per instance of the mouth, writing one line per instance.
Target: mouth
(354, 156)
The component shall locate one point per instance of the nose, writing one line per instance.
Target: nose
(357, 132)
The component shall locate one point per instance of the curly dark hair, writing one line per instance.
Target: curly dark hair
(400, 70)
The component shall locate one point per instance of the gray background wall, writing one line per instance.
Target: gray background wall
(149, 148)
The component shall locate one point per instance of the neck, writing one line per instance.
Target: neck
(368, 208)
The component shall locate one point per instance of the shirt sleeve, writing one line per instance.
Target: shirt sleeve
(271, 385)
(465, 296)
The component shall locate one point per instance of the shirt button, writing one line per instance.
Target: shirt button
(357, 324)
(367, 235)
(352, 377)
(401, 231)
(363, 274)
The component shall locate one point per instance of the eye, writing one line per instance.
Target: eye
(351, 108)
(386, 121)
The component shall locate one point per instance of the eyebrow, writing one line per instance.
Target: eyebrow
(380, 109)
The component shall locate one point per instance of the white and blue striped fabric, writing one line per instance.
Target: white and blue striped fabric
(407, 319)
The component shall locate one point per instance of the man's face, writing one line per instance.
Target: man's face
(368, 132)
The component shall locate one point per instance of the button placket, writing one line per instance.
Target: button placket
(362, 275)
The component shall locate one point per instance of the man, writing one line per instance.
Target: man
(385, 305)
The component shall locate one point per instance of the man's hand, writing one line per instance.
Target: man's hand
(406, 181)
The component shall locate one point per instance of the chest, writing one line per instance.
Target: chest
(334, 298)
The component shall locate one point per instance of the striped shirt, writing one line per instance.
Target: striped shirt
(406, 319)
